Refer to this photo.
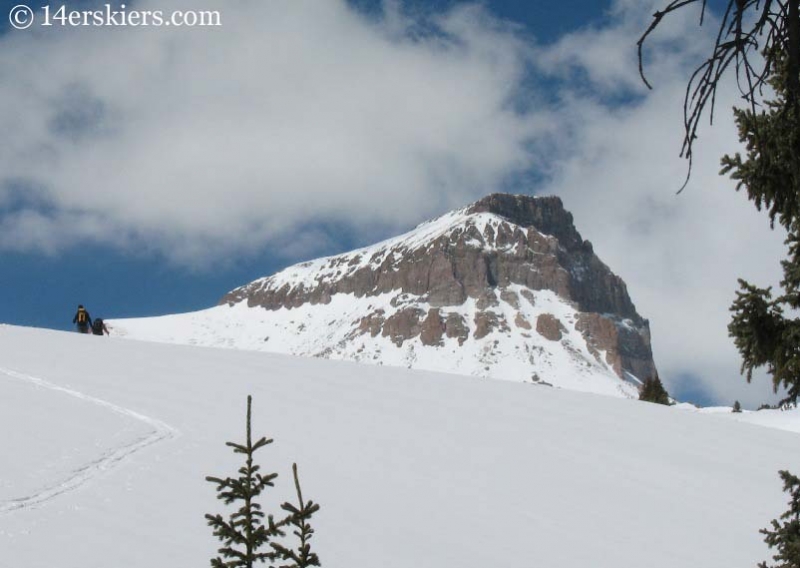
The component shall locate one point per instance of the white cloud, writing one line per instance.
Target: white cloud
(199, 143)
(680, 255)
(231, 137)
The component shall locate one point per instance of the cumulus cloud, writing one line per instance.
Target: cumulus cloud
(202, 143)
(619, 172)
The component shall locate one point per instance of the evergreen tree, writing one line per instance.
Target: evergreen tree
(785, 536)
(653, 391)
(299, 516)
(761, 42)
(763, 328)
(737, 407)
(245, 533)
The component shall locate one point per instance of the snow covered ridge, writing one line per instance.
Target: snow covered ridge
(504, 288)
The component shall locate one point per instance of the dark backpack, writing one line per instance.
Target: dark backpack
(97, 327)
(82, 317)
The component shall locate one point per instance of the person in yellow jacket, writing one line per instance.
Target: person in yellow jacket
(83, 320)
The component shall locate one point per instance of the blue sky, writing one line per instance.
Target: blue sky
(149, 171)
(47, 287)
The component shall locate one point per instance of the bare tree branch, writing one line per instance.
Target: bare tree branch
(748, 46)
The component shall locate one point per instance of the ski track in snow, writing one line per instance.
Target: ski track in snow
(161, 431)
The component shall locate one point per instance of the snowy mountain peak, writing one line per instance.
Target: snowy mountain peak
(505, 287)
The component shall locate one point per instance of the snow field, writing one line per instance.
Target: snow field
(412, 469)
(324, 330)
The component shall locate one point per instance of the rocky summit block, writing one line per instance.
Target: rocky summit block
(468, 276)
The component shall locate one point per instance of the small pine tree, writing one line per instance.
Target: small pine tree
(736, 407)
(786, 536)
(298, 517)
(653, 391)
(245, 533)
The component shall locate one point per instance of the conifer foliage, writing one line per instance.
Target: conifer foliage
(760, 41)
(298, 517)
(765, 328)
(785, 536)
(653, 391)
(248, 535)
(245, 532)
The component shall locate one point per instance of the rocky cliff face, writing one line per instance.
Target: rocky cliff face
(471, 275)
(505, 288)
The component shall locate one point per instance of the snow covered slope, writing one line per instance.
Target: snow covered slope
(504, 288)
(326, 331)
(106, 444)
